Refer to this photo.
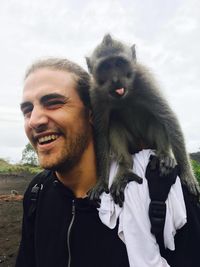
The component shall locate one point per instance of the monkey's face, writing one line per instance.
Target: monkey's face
(115, 77)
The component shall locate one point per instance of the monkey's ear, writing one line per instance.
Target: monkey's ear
(133, 52)
(88, 64)
(107, 40)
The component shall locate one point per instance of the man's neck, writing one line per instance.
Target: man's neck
(83, 176)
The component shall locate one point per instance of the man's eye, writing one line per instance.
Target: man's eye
(27, 111)
(54, 103)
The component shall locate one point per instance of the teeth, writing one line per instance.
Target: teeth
(47, 138)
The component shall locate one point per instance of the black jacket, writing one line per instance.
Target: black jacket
(90, 242)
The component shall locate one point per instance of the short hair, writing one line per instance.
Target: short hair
(82, 78)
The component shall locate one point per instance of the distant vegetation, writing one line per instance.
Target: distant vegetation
(20, 169)
(196, 167)
(196, 164)
(17, 169)
(29, 156)
(27, 165)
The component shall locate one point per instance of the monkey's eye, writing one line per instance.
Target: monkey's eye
(128, 75)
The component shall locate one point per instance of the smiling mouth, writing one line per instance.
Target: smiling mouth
(47, 139)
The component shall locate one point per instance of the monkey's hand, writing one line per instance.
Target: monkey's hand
(119, 184)
(166, 164)
(159, 183)
(95, 193)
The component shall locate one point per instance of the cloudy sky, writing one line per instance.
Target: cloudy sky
(166, 34)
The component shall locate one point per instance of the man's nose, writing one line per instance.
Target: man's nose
(38, 118)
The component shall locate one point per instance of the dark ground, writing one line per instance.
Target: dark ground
(10, 217)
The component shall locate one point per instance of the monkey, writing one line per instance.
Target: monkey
(130, 113)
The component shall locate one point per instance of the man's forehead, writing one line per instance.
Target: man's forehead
(47, 81)
(51, 77)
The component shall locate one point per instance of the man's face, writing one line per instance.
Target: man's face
(56, 121)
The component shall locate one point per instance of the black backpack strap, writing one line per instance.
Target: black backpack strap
(35, 192)
(159, 187)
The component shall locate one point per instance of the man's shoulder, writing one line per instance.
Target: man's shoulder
(31, 194)
(38, 179)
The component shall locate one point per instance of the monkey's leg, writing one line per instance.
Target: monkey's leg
(103, 163)
(119, 143)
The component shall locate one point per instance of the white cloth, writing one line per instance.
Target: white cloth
(134, 224)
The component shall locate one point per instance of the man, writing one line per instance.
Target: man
(61, 227)
(66, 229)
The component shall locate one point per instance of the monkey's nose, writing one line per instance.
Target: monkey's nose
(115, 79)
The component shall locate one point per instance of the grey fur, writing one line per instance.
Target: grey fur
(123, 123)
